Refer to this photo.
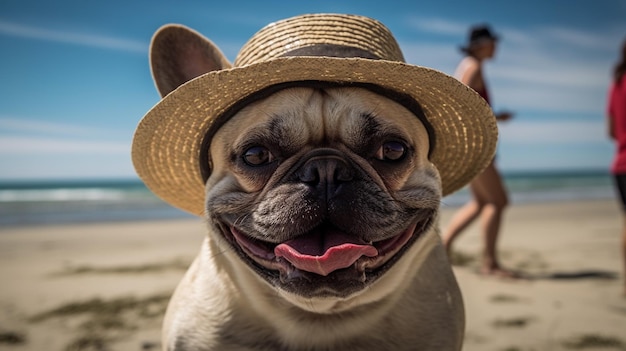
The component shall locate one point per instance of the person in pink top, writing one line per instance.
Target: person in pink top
(489, 196)
(616, 112)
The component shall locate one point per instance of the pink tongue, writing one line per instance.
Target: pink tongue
(323, 254)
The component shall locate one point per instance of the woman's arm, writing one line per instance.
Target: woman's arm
(611, 127)
(470, 74)
(610, 115)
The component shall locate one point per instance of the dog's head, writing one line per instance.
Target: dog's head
(322, 190)
(322, 155)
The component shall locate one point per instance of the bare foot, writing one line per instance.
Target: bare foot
(499, 272)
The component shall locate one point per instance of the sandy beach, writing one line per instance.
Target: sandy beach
(105, 286)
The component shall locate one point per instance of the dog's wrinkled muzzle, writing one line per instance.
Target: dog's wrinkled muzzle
(325, 227)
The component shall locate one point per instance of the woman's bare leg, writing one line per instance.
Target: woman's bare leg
(491, 188)
(465, 215)
(460, 220)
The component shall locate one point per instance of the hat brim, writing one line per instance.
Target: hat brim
(167, 143)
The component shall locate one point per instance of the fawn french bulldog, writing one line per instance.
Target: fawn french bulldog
(319, 166)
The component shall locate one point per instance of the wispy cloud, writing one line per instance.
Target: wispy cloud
(438, 56)
(539, 68)
(84, 39)
(555, 145)
(28, 136)
(440, 26)
(580, 39)
(33, 149)
(552, 69)
(25, 125)
(18, 145)
(552, 72)
(553, 132)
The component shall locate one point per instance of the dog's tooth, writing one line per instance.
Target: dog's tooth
(284, 276)
(288, 272)
(362, 278)
(362, 265)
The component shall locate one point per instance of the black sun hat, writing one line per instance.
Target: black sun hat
(479, 34)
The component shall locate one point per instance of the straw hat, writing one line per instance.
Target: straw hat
(167, 149)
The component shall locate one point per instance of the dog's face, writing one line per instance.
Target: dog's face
(321, 192)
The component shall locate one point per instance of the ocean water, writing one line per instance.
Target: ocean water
(43, 203)
(56, 202)
(534, 187)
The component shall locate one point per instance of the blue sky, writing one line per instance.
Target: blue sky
(76, 80)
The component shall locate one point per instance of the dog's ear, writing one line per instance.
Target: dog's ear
(179, 54)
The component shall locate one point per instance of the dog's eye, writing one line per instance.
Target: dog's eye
(257, 156)
(391, 151)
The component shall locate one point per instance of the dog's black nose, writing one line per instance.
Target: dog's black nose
(326, 173)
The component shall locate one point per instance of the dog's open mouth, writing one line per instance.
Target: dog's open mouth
(326, 250)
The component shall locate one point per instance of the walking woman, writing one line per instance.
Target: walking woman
(616, 112)
(489, 196)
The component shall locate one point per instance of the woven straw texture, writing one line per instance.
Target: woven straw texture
(167, 142)
(307, 30)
